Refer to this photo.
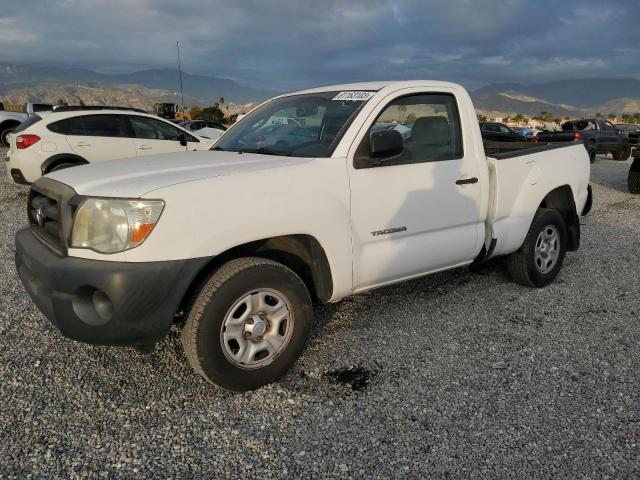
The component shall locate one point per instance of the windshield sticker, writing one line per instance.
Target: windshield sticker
(354, 96)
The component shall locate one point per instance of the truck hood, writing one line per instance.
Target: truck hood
(133, 177)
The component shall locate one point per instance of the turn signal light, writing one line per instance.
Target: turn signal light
(26, 140)
(140, 232)
(577, 136)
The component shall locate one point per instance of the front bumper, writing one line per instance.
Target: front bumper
(103, 302)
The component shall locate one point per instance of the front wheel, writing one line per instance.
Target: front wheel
(248, 324)
(539, 260)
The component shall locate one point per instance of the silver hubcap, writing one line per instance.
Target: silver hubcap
(257, 328)
(547, 249)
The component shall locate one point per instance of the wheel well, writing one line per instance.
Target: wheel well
(56, 160)
(9, 124)
(561, 200)
(301, 253)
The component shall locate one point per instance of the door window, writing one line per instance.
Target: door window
(98, 126)
(429, 125)
(152, 129)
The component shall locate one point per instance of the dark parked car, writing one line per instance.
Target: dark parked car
(634, 172)
(599, 136)
(630, 130)
(499, 132)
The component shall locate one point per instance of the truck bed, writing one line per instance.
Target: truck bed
(502, 150)
(520, 179)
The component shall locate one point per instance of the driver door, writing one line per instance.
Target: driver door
(411, 214)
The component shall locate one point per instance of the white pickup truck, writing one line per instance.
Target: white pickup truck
(376, 184)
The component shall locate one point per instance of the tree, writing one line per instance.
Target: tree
(545, 116)
(598, 114)
(231, 119)
(195, 112)
(481, 117)
(82, 104)
(612, 116)
(61, 102)
(403, 111)
(518, 118)
(213, 113)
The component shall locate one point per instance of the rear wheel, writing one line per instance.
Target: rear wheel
(538, 261)
(248, 324)
(4, 133)
(625, 153)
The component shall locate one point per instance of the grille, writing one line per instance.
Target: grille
(50, 210)
(44, 217)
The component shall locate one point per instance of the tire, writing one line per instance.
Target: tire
(616, 154)
(634, 182)
(4, 141)
(592, 156)
(236, 311)
(624, 154)
(529, 266)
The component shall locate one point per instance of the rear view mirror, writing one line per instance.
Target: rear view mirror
(306, 110)
(386, 144)
(182, 138)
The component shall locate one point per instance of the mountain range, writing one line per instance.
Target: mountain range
(572, 98)
(202, 88)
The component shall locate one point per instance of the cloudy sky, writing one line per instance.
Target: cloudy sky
(283, 44)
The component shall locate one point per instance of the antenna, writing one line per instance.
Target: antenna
(180, 76)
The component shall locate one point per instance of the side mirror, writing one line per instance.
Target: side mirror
(386, 144)
(182, 138)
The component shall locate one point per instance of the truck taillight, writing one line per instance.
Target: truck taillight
(26, 140)
(577, 136)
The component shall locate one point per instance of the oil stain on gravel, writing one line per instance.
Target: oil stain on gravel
(356, 377)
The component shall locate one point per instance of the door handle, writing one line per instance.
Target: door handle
(83, 144)
(465, 181)
(145, 147)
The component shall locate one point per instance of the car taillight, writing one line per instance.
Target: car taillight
(535, 138)
(25, 141)
(260, 138)
(577, 136)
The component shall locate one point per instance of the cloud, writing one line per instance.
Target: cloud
(291, 44)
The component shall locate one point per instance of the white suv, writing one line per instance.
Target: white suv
(72, 136)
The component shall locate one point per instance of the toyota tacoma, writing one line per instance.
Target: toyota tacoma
(236, 244)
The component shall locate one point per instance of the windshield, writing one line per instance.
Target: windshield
(308, 125)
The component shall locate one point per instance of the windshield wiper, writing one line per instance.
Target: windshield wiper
(265, 151)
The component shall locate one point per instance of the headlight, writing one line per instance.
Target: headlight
(114, 225)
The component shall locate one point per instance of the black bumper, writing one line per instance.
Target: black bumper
(102, 302)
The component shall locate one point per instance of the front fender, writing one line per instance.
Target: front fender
(206, 217)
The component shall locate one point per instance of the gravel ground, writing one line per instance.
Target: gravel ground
(461, 374)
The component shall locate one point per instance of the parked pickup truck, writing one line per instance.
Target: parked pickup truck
(598, 136)
(237, 243)
(10, 119)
